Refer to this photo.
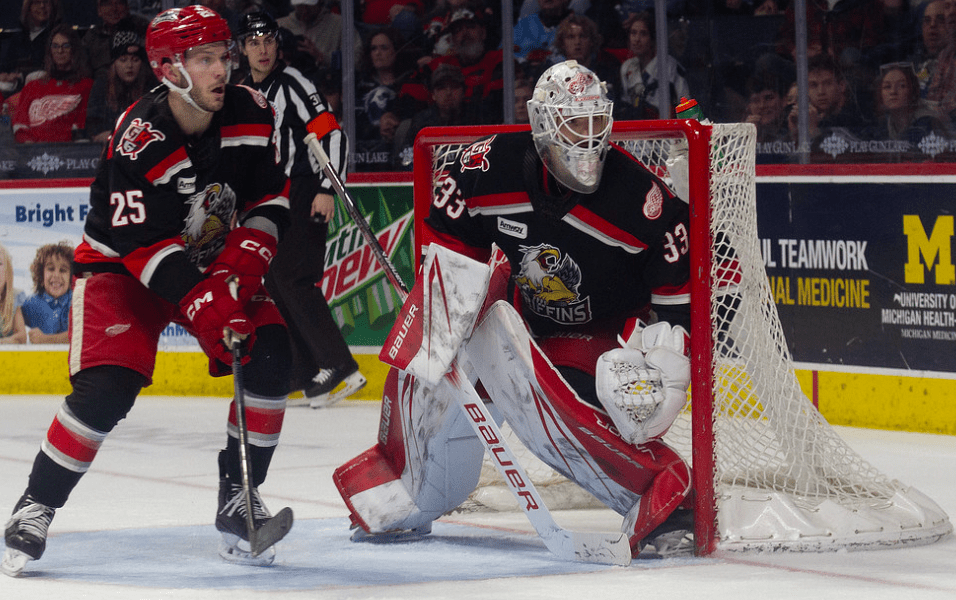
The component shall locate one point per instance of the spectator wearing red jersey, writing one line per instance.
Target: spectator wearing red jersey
(52, 108)
(481, 68)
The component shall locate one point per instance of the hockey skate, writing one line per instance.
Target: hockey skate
(231, 522)
(333, 385)
(674, 538)
(25, 534)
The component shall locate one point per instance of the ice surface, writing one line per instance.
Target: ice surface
(139, 525)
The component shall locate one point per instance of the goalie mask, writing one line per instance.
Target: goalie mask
(571, 121)
(173, 32)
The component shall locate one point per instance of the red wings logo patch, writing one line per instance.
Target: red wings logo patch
(579, 83)
(52, 107)
(476, 155)
(137, 136)
(654, 203)
(257, 96)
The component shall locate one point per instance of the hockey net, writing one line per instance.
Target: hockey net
(769, 472)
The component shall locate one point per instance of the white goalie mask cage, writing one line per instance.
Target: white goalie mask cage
(571, 121)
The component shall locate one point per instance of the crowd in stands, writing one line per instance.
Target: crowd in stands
(881, 70)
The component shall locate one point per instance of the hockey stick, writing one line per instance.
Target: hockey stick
(352, 208)
(604, 548)
(275, 528)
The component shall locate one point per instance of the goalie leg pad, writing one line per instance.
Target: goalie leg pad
(425, 464)
(665, 494)
(437, 315)
(568, 434)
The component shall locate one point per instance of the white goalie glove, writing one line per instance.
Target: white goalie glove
(643, 386)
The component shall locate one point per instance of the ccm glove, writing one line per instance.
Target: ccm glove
(247, 255)
(212, 310)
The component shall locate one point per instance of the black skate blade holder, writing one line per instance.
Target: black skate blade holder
(279, 525)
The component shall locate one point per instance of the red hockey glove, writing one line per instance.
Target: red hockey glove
(247, 255)
(211, 309)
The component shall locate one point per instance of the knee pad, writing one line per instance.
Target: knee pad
(267, 374)
(102, 396)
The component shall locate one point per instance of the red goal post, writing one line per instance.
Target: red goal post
(769, 472)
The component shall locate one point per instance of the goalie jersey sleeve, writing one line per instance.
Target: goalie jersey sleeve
(576, 259)
(161, 203)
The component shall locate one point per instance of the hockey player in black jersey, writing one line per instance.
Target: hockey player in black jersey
(188, 197)
(321, 357)
(594, 247)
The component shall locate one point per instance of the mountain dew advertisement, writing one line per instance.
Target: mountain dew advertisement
(362, 301)
(361, 298)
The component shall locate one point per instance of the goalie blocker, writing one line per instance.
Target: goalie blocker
(427, 459)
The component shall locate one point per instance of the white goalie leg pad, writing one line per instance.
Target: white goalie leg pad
(388, 507)
(438, 314)
(426, 462)
(559, 428)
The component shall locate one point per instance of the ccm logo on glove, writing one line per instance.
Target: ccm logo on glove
(196, 304)
(257, 248)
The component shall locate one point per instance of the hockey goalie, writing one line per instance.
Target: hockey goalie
(557, 282)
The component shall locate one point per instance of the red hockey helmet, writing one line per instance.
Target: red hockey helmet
(176, 30)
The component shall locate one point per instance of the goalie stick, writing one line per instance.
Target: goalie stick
(603, 548)
(275, 528)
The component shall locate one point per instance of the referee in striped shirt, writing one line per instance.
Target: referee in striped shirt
(321, 357)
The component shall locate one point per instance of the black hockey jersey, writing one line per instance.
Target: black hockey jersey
(162, 203)
(576, 259)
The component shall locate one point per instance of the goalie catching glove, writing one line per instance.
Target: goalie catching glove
(211, 309)
(643, 386)
(247, 255)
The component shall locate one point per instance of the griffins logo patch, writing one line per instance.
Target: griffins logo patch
(548, 281)
(137, 136)
(208, 222)
(476, 155)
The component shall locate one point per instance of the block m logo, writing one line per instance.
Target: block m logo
(937, 248)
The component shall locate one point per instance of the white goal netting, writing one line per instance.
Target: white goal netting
(782, 478)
